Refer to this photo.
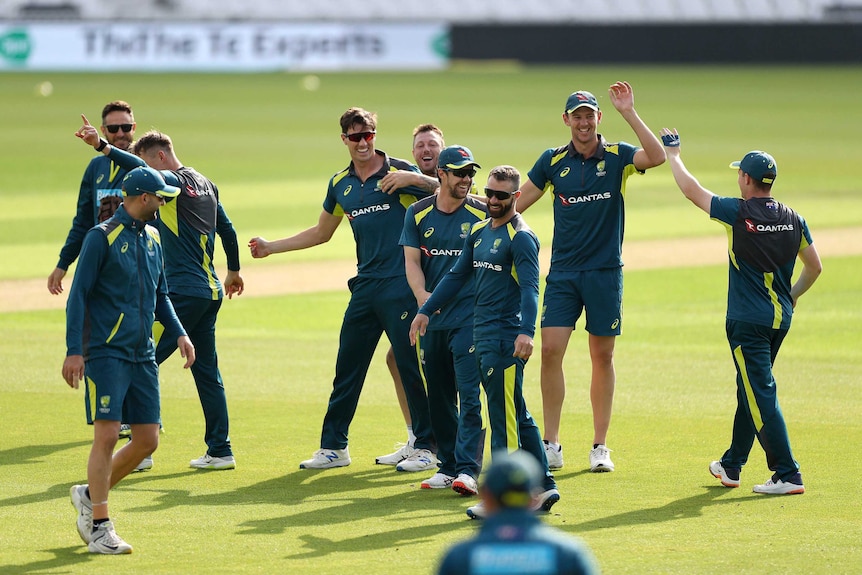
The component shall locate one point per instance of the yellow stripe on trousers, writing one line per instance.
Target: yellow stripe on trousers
(749, 392)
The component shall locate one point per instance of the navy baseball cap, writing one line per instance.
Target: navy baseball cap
(579, 99)
(454, 157)
(759, 165)
(513, 478)
(146, 180)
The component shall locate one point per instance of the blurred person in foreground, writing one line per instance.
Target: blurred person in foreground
(587, 179)
(765, 239)
(118, 291)
(512, 540)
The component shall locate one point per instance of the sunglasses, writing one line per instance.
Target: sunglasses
(359, 136)
(499, 194)
(114, 128)
(462, 172)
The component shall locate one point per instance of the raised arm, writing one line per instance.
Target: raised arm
(530, 194)
(651, 153)
(688, 184)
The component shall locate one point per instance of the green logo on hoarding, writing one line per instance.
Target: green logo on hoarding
(15, 46)
(440, 45)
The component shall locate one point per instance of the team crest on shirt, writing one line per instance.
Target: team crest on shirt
(465, 229)
(600, 169)
(105, 404)
(151, 249)
(496, 245)
(429, 232)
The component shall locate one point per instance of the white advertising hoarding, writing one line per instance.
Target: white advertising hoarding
(205, 47)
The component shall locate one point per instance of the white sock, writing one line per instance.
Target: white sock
(411, 438)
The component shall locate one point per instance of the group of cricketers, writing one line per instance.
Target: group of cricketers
(448, 269)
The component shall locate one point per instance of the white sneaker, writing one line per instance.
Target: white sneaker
(477, 511)
(545, 500)
(728, 477)
(554, 454)
(397, 457)
(145, 465)
(438, 481)
(600, 459)
(207, 461)
(420, 460)
(465, 485)
(106, 541)
(326, 458)
(777, 487)
(84, 507)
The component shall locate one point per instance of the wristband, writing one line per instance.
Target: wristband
(102, 143)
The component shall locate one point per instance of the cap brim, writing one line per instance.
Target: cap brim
(735, 164)
(590, 106)
(169, 192)
(461, 165)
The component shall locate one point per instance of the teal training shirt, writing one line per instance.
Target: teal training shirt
(189, 224)
(589, 203)
(102, 180)
(376, 217)
(505, 265)
(764, 238)
(440, 238)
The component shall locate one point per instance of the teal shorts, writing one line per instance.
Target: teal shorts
(119, 390)
(599, 292)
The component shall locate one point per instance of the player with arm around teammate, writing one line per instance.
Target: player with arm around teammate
(118, 291)
(765, 239)
(501, 255)
(434, 232)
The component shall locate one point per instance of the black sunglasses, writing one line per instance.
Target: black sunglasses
(114, 128)
(462, 172)
(359, 136)
(499, 194)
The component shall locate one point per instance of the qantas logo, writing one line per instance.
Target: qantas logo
(488, 266)
(369, 210)
(432, 252)
(766, 228)
(571, 200)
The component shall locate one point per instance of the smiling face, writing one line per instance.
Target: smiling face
(426, 150)
(583, 122)
(118, 120)
(495, 190)
(456, 183)
(361, 151)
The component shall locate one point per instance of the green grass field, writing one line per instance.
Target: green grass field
(271, 146)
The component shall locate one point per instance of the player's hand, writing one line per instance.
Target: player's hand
(259, 247)
(671, 141)
(233, 284)
(73, 370)
(187, 350)
(55, 281)
(88, 133)
(393, 181)
(418, 327)
(622, 96)
(523, 346)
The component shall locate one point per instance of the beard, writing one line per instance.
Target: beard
(500, 210)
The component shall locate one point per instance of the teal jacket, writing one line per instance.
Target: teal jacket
(118, 290)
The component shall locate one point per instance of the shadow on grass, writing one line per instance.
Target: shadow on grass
(30, 454)
(64, 559)
(686, 508)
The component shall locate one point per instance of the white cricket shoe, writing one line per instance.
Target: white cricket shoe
(545, 500)
(465, 485)
(106, 541)
(775, 486)
(554, 454)
(327, 458)
(207, 461)
(145, 465)
(600, 459)
(438, 481)
(396, 457)
(84, 507)
(420, 460)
